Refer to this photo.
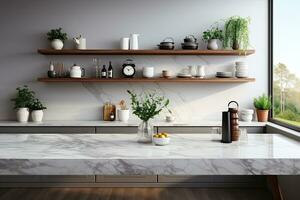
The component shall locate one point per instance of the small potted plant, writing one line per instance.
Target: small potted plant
(123, 112)
(57, 38)
(236, 34)
(262, 104)
(37, 110)
(146, 106)
(212, 36)
(22, 102)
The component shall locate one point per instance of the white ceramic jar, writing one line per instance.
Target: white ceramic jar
(37, 115)
(148, 72)
(246, 115)
(75, 72)
(124, 44)
(22, 114)
(123, 115)
(57, 44)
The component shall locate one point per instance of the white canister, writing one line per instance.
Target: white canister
(75, 72)
(82, 44)
(124, 43)
(134, 41)
(37, 115)
(148, 72)
(201, 71)
(246, 115)
(23, 114)
(123, 115)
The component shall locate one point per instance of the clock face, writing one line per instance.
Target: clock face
(128, 70)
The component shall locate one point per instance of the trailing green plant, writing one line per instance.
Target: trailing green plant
(147, 105)
(263, 102)
(213, 33)
(236, 30)
(57, 34)
(36, 104)
(24, 97)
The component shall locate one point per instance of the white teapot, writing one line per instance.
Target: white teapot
(77, 71)
(80, 42)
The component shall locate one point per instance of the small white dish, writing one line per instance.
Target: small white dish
(161, 141)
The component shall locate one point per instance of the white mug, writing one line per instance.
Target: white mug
(124, 43)
(148, 72)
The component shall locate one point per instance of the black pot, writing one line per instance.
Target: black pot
(190, 38)
(167, 45)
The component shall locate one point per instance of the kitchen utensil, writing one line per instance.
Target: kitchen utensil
(51, 74)
(166, 74)
(108, 108)
(234, 121)
(134, 41)
(200, 71)
(148, 72)
(190, 39)
(167, 44)
(80, 42)
(124, 43)
(161, 141)
(77, 71)
(226, 131)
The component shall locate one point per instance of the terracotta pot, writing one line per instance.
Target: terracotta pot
(262, 115)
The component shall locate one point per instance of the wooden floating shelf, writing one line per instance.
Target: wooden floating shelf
(147, 80)
(145, 52)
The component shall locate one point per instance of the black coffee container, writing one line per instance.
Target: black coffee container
(226, 132)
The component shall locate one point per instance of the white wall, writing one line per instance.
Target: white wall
(25, 23)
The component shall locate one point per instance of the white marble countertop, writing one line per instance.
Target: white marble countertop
(120, 154)
(129, 123)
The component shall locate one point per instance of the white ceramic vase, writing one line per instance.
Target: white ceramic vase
(22, 114)
(37, 115)
(212, 44)
(123, 115)
(148, 72)
(57, 44)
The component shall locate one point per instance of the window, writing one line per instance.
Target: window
(285, 62)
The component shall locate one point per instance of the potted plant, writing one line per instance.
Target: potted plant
(262, 104)
(22, 102)
(211, 36)
(37, 110)
(57, 38)
(236, 33)
(123, 112)
(146, 106)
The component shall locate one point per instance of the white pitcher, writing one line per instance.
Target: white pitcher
(134, 41)
(80, 42)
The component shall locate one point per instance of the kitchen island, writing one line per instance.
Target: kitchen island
(120, 154)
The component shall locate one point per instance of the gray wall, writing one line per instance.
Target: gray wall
(25, 23)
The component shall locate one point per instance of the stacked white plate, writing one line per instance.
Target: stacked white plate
(241, 69)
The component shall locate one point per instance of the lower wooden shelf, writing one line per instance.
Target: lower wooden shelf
(150, 80)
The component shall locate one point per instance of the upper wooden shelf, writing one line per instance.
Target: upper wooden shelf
(155, 80)
(145, 52)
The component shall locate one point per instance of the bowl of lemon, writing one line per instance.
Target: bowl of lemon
(161, 139)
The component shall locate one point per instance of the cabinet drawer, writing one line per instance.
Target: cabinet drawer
(47, 179)
(41, 129)
(126, 179)
(181, 130)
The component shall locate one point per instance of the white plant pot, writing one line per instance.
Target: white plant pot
(123, 115)
(57, 44)
(37, 115)
(213, 44)
(22, 114)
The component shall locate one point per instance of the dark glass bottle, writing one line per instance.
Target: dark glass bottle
(103, 72)
(110, 71)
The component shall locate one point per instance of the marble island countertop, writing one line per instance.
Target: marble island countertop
(129, 123)
(120, 154)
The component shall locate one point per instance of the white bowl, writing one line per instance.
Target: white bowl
(247, 111)
(161, 141)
